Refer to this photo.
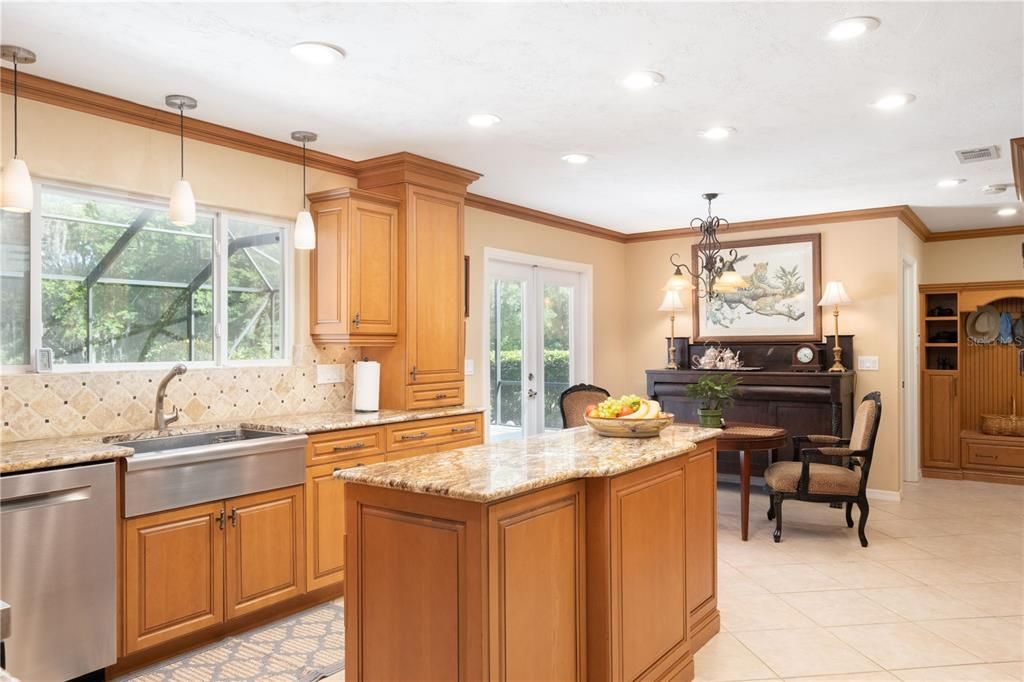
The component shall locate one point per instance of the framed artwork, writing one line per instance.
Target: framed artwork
(779, 303)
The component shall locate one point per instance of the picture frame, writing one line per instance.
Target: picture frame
(781, 300)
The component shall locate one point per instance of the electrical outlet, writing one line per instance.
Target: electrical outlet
(330, 374)
(867, 362)
(468, 367)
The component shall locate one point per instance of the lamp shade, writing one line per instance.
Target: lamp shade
(730, 280)
(183, 204)
(671, 303)
(17, 187)
(677, 282)
(305, 235)
(834, 294)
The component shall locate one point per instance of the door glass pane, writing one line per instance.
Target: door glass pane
(14, 279)
(506, 359)
(557, 350)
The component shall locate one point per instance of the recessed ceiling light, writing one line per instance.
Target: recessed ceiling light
(951, 182)
(894, 101)
(641, 80)
(483, 120)
(847, 29)
(717, 133)
(577, 158)
(317, 53)
(1007, 212)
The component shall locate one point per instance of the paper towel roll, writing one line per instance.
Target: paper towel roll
(366, 395)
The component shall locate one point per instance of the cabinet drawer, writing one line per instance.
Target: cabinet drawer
(994, 455)
(435, 432)
(434, 395)
(341, 445)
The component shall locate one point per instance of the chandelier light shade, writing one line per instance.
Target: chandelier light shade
(716, 274)
(305, 232)
(182, 207)
(16, 194)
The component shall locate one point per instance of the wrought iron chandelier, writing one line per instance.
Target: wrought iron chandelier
(716, 274)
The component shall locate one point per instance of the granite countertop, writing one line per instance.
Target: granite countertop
(487, 473)
(46, 453)
(29, 455)
(334, 421)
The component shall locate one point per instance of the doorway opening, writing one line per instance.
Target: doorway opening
(910, 374)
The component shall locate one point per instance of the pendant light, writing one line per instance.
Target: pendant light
(305, 234)
(17, 183)
(183, 203)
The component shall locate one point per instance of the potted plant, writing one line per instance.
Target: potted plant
(714, 393)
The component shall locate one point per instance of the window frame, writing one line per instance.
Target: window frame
(221, 217)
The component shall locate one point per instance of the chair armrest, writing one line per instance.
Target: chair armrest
(827, 453)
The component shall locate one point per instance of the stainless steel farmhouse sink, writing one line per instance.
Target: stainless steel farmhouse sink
(177, 471)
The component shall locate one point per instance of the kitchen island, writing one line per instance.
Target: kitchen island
(565, 556)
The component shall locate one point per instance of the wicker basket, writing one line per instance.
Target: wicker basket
(1003, 424)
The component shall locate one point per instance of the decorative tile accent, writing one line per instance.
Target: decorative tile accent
(60, 405)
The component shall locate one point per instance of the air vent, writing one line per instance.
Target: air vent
(977, 154)
(993, 189)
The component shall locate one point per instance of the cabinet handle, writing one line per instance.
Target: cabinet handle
(439, 396)
(234, 517)
(413, 373)
(350, 446)
(356, 320)
(415, 436)
(463, 429)
(220, 519)
(982, 455)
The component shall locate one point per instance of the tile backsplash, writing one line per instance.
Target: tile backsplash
(56, 405)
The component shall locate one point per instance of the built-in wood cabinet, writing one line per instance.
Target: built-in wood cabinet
(940, 419)
(191, 568)
(354, 268)
(265, 557)
(174, 574)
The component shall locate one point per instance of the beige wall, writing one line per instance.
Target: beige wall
(861, 254)
(60, 144)
(973, 260)
(486, 229)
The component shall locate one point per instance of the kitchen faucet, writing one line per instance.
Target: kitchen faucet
(160, 419)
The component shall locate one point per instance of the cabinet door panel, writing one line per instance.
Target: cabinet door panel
(940, 421)
(373, 294)
(329, 263)
(434, 288)
(325, 522)
(265, 553)
(174, 574)
(701, 542)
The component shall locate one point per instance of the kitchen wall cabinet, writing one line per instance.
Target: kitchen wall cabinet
(265, 558)
(173, 574)
(354, 268)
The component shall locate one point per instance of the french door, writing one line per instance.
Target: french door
(537, 345)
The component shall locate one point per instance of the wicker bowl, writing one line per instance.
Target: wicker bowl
(629, 428)
(1002, 425)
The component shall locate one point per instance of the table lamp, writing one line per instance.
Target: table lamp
(670, 304)
(835, 296)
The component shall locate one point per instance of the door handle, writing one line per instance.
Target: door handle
(234, 517)
(220, 519)
(531, 393)
(413, 373)
(47, 499)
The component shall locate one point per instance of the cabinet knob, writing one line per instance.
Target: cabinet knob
(439, 396)
(356, 320)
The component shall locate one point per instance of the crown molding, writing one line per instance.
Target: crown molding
(352, 193)
(165, 121)
(1017, 156)
(909, 218)
(405, 167)
(978, 233)
(550, 219)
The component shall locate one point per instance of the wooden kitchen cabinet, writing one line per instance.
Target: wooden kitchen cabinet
(354, 268)
(940, 421)
(173, 574)
(325, 521)
(265, 552)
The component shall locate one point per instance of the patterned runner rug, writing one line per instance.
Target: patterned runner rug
(302, 648)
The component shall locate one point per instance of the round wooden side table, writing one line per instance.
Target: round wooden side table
(743, 438)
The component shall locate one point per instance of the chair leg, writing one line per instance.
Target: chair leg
(777, 505)
(849, 514)
(771, 507)
(862, 504)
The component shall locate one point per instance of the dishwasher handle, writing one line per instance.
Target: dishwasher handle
(49, 498)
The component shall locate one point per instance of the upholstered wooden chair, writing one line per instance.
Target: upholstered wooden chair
(819, 476)
(573, 401)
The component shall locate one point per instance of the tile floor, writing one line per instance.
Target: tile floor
(937, 594)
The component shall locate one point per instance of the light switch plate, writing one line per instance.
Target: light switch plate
(468, 367)
(330, 374)
(867, 362)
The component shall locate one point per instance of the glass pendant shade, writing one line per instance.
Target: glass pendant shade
(183, 204)
(677, 282)
(17, 187)
(730, 280)
(305, 235)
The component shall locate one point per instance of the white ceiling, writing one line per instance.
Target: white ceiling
(807, 141)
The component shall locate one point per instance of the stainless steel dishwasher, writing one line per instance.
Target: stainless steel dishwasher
(58, 563)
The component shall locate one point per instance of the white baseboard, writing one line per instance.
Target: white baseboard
(885, 495)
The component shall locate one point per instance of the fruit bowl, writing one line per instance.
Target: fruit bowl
(629, 428)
